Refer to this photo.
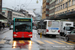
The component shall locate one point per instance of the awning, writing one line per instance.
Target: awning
(2, 17)
(64, 16)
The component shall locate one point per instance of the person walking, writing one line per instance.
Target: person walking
(0, 25)
(3, 25)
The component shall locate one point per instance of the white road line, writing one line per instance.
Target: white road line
(3, 41)
(35, 36)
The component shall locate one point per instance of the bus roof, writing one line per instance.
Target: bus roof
(22, 18)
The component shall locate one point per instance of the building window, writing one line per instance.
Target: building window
(58, 8)
(66, 4)
(63, 6)
(57, 1)
(73, 2)
(69, 3)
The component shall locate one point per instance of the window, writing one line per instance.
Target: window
(73, 2)
(56, 9)
(69, 3)
(57, 2)
(72, 31)
(63, 6)
(65, 11)
(66, 4)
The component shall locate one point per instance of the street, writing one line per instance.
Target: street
(36, 43)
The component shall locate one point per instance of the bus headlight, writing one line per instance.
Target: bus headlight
(29, 35)
(15, 35)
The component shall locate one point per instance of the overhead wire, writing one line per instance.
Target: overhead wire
(28, 4)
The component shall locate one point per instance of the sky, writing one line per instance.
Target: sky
(24, 4)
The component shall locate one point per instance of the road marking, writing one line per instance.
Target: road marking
(48, 42)
(11, 42)
(66, 42)
(21, 41)
(2, 41)
(30, 41)
(40, 42)
(71, 42)
(57, 42)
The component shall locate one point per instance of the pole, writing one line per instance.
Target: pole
(41, 32)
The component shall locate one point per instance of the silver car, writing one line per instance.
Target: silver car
(70, 36)
(11, 27)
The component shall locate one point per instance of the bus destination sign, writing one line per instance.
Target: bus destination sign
(22, 20)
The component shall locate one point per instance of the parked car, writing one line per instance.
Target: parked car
(70, 36)
(11, 27)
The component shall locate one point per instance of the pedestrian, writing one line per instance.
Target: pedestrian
(3, 25)
(0, 25)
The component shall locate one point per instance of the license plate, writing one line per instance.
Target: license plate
(22, 36)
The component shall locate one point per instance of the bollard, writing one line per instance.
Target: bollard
(40, 35)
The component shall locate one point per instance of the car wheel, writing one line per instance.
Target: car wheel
(66, 39)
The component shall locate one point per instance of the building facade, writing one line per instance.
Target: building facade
(52, 9)
(0, 6)
(65, 9)
(45, 9)
(16, 14)
(60, 10)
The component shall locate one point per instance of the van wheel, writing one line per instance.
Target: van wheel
(60, 34)
(66, 39)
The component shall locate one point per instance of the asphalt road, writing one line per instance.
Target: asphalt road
(36, 43)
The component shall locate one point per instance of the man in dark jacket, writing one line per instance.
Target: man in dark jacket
(0, 25)
(3, 25)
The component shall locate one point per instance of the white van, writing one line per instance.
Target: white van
(50, 28)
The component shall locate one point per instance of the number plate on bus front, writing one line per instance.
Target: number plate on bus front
(22, 36)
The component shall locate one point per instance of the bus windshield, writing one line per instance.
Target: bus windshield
(23, 26)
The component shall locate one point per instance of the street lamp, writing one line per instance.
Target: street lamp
(37, 1)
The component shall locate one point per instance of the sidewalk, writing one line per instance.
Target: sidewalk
(4, 30)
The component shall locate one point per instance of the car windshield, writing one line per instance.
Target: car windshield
(68, 28)
(73, 31)
(22, 26)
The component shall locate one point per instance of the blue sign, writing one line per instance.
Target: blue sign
(53, 28)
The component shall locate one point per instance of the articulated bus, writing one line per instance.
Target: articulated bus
(22, 28)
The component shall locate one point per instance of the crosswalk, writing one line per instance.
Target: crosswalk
(40, 42)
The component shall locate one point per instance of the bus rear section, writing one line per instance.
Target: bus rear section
(22, 28)
(42, 29)
(52, 28)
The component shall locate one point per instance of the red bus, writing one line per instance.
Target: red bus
(22, 28)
